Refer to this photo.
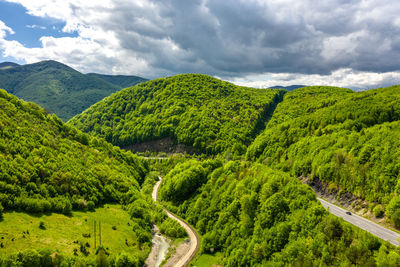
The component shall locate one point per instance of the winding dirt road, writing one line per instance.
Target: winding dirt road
(194, 238)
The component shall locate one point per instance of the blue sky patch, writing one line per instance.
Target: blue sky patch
(28, 29)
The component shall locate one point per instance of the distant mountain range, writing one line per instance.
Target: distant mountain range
(59, 88)
(8, 65)
(288, 88)
(122, 81)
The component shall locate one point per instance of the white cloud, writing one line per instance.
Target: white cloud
(36, 27)
(4, 29)
(341, 78)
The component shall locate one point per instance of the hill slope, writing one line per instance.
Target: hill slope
(204, 113)
(48, 166)
(122, 81)
(251, 215)
(346, 139)
(41, 158)
(56, 87)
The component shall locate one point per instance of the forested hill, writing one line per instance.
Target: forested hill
(55, 86)
(349, 140)
(207, 114)
(251, 215)
(7, 65)
(46, 165)
(122, 81)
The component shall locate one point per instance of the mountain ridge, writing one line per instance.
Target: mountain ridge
(8, 65)
(56, 87)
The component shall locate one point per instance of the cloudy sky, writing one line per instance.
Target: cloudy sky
(259, 43)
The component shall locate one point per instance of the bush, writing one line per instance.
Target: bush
(378, 211)
(396, 218)
(393, 210)
(124, 260)
(91, 205)
(101, 258)
(42, 225)
(172, 228)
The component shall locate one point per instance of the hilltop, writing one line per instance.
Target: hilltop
(55, 86)
(200, 113)
(8, 65)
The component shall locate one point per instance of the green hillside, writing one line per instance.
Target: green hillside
(56, 87)
(122, 81)
(7, 65)
(348, 140)
(43, 158)
(251, 215)
(47, 166)
(206, 114)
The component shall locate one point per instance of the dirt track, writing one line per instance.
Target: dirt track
(194, 243)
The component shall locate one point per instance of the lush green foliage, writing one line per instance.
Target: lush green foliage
(172, 228)
(185, 179)
(122, 81)
(66, 234)
(256, 216)
(46, 165)
(56, 87)
(351, 140)
(208, 114)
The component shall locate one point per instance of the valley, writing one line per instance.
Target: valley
(236, 180)
(199, 133)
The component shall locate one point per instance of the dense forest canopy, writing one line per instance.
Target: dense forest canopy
(350, 140)
(47, 166)
(256, 216)
(59, 88)
(208, 114)
(45, 162)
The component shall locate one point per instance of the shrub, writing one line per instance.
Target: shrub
(90, 205)
(378, 211)
(42, 225)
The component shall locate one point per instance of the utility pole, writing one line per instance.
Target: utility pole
(94, 235)
(100, 232)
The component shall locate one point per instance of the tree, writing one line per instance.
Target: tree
(101, 258)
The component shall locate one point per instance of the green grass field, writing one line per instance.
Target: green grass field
(207, 260)
(20, 231)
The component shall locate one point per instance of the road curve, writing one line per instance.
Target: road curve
(194, 238)
(362, 223)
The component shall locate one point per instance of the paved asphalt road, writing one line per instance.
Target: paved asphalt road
(362, 223)
(194, 238)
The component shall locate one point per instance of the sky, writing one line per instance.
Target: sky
(256, 43)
